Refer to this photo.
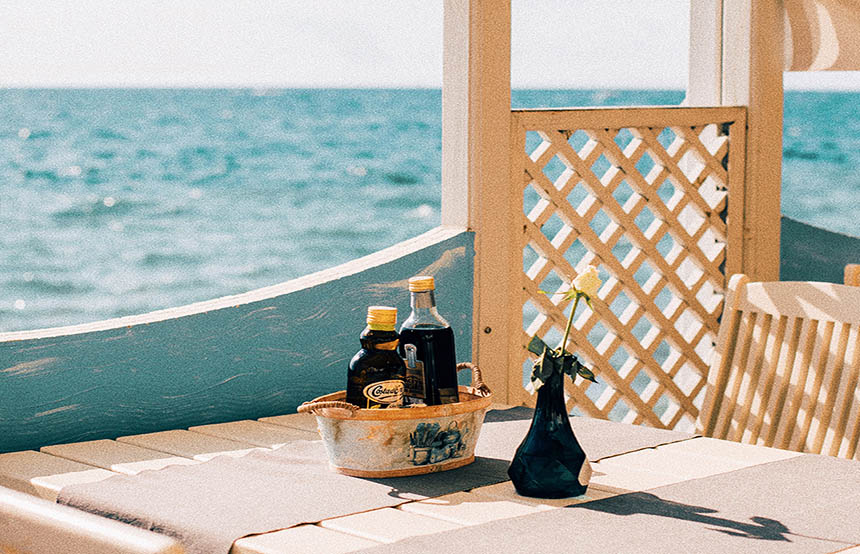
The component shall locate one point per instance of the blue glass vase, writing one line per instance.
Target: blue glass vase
(550, 463)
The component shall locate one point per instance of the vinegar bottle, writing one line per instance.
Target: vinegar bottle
(427, 342)
(376, 373)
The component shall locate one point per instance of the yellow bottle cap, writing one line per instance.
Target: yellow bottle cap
(421, 283)
(381, 318)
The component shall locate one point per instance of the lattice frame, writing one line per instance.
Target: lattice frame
(654, 198)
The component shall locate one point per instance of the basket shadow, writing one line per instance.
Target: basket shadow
(481, 472)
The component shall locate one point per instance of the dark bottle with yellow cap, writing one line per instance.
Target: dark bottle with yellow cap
(427, 343)
(376, 373)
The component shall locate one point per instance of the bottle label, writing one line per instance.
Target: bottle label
(415, 381)
(384, 392)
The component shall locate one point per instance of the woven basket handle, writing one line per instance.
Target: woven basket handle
(478, 386)
(345, 408)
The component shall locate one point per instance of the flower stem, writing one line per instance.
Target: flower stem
(567, 329)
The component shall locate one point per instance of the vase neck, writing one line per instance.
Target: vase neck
(550, 400)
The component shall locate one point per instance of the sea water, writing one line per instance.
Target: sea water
(118, 202)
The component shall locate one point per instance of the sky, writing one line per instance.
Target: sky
(340, 43)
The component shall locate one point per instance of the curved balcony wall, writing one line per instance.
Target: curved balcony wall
(246, 356)
(809, 253)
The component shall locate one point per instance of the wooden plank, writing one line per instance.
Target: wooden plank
(464, 508)
(810, 300)
(306, 422)
(735, 224)
(256, 433)
(852, 275)
(492, 209)
(115, 456)
(387, 525)
(615, 118)
(44, 475)
(516, 394)
(304, 539)
(752, 76)
(242, 357)
(187, 444)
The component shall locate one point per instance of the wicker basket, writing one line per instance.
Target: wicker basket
(394, 442)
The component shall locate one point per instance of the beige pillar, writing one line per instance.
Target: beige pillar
(752, 61)
(476, 111)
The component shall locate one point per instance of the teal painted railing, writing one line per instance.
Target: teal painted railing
(252, 355)
(808, 253)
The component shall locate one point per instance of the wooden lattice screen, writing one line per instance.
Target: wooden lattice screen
(653, 197)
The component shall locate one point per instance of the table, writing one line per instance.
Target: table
(688, 494)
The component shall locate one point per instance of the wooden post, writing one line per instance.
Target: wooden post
(752, 64)
(476, 112)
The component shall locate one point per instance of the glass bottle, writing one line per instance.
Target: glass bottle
(426, 338)
(376, 372)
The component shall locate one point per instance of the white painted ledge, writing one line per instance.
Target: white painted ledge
(351, 267)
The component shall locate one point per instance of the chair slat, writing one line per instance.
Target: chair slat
(769, 371)
(799, 374)
(783, 380)
(745, 334)
(760, 335)
(835, 374)
(813, 390)
(849, 399)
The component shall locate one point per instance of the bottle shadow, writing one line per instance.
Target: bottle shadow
(760, 528)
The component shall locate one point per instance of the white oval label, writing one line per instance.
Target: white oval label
(385, 392)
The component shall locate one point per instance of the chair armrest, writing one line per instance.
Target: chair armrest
(30, 525)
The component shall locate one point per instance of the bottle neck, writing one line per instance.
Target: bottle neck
(424, 311)
(423, 300)
(378, 339)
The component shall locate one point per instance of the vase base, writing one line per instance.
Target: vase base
(552, 494)
(542, 476)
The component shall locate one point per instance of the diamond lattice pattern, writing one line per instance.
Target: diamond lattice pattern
(648, 207)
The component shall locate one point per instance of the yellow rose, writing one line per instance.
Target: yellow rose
(588, 282)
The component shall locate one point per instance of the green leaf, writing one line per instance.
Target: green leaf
(537, 346)
(586, 373)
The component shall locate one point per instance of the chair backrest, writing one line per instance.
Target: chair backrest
(785, 371)
(30, 525)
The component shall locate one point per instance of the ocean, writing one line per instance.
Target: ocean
(118, 202)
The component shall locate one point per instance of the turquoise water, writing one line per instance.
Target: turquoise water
(116, 202)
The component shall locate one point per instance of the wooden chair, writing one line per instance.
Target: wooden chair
(852, 275)
(30, 525)
(785, 372)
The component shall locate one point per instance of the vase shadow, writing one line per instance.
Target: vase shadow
(642, 503)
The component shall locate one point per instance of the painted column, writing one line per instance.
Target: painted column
(752, 65)
(476, 112)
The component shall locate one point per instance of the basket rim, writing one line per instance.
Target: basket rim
(473, 403)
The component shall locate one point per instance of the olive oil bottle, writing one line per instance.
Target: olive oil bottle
(427, 342)
(376, 373)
